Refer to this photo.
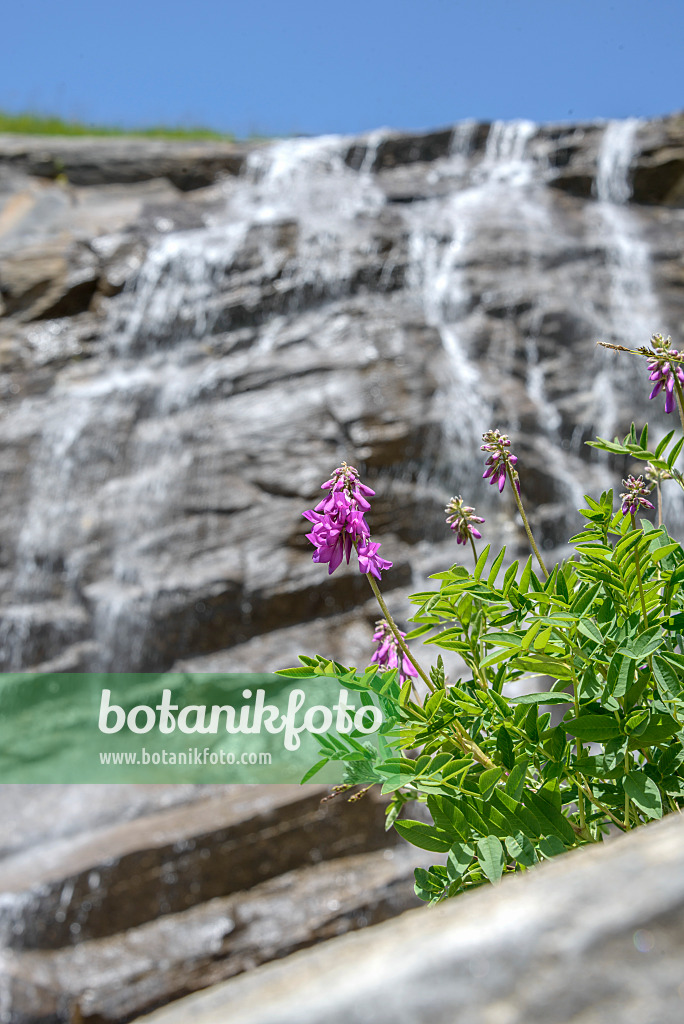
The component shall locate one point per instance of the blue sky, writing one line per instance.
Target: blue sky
(311, 66)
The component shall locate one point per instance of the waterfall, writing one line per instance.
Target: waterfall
(296, 326)
(633, 308)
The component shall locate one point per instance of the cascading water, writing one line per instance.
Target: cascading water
(299, 326)
(634, 313)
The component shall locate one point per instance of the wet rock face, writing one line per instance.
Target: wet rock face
(182, 363)
(127, 897)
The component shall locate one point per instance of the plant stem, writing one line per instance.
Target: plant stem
(680, 399)
(465, 741)
(580, 805)
(526, 524)
(580, 748)
(397, 634)
(602, 807)
(472, 544)
(637, 565)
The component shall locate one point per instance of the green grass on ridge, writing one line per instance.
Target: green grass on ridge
(38, 124)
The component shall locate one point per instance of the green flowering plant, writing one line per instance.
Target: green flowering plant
(509, 780)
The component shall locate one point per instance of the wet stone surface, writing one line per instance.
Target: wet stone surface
(180, 369)
(137, 895)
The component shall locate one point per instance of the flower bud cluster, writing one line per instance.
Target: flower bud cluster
(498, 444)
(389, 654)
(665, 370)
(461, 519)
(635, 495)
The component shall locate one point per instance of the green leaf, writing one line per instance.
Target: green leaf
(526, 577)
(585, 597)
(426, 837)
(660, 728)
(516, 780)
(529, 636)
(546, 697)
(551, 846)
(504, 744)
(621, 674)
(521, 818)
(521, 849)
(663, 551)
(531, 725)
(549, 816)
(316, 768)
(662, 445)
(509, 578)
(554, 743)
(546, 665)
(491, 856)
(674, 454)
(636, 723)
(590, 687)
(481, 562)
(447, 816)
(643, 440)
(459, 860)
(595, 728)
(302, 672)
(646, 643)
(590, 630)
(427, 885)
(668, 679)
(494, 572)
(488, 780)
(643, 791)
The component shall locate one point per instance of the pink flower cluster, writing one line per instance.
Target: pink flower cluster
(340, 526)
(497, 444)
(389, 654)
(664, 368)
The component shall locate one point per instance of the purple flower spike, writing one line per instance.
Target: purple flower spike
(389, 654)
(461, 520)
(498, 444)
(634, 496)
(664, 368)
(340, 526)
